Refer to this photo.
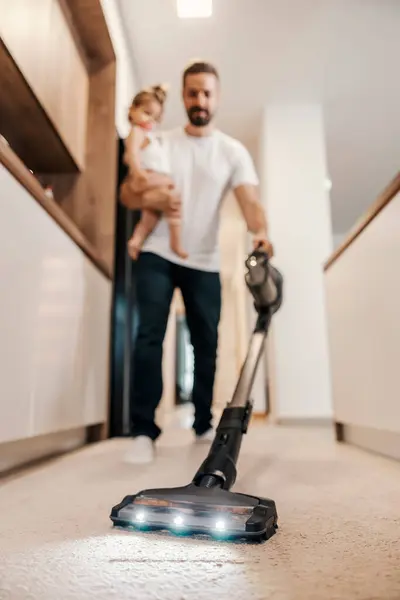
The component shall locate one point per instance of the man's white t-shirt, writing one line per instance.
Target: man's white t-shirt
(203, 169)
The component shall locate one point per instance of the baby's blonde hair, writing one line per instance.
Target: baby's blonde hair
(156, 92)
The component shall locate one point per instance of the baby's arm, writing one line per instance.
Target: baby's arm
(145, 189)
(133, 145)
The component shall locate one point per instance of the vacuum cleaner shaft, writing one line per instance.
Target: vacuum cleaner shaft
(241, 395)
(219, 467)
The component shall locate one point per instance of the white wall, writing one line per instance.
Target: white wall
(363, 297)
(293, 173)
(338, 238)
(127, 84)
(54, 323)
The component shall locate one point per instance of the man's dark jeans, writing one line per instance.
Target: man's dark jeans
(201, 291)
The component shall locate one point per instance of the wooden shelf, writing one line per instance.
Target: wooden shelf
(25, 124)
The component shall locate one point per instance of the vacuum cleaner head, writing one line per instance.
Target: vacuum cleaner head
(192, 510)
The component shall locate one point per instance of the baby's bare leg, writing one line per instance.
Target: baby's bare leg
(148, 221)
(175, 230)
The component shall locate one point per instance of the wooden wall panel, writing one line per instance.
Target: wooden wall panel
(91, 27)
(39, 39)
(89, 198)
(102, 157)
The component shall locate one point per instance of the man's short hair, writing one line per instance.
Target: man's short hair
(199, 66)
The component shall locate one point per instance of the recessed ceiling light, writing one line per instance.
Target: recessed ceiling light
(328, 184)
(194, 9)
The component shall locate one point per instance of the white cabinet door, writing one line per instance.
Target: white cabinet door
(54, 323)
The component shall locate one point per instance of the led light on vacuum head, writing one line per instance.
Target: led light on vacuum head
(179, 521)
(220, 525)
(191, 510)
(140, 516)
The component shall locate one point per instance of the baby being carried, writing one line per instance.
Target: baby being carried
(144, 153)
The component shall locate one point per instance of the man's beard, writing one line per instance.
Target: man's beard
(197, 119)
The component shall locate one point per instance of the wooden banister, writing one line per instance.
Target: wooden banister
(383, 199)
(16, 167)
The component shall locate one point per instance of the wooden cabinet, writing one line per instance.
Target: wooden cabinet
(55, 324)
(57, 113)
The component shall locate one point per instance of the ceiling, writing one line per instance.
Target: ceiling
(342, 53)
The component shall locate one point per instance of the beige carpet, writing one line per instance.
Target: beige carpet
(339, 535)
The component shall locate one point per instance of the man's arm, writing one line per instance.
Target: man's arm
(244, 183)
(156, 193)
(142, 180)
(144, 189)
(252, 210)
(253, 213)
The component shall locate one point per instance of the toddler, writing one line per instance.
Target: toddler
(144, 153)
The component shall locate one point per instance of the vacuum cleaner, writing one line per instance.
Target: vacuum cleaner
(207, 506)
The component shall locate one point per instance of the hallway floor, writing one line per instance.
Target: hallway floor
(339, 535)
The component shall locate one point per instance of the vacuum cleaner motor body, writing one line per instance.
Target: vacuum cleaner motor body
(264, 282)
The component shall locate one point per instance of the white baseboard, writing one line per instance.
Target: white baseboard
(386, 443)
(304, 421)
